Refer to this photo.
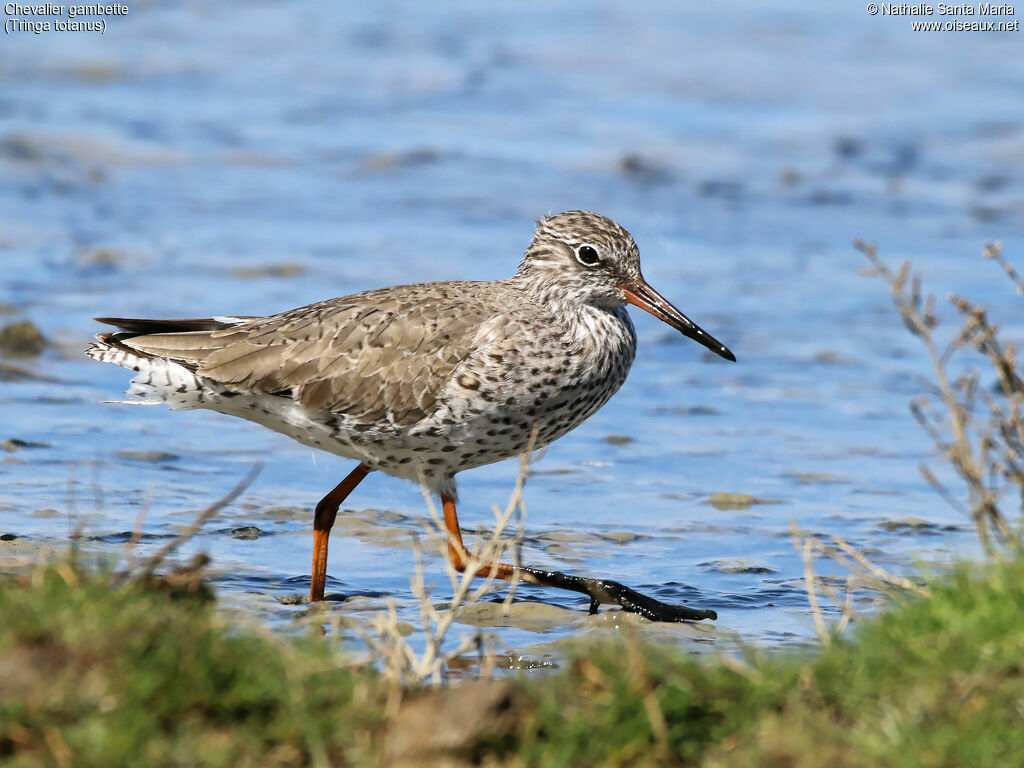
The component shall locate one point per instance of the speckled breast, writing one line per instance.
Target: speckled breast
(514, 396)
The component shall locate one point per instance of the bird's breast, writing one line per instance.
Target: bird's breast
(544, 379)
(525, 387)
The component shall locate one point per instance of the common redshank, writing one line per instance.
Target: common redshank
(424, 381)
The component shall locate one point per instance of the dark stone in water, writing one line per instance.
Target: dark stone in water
(22, 339)
(618, 439)
(246, 532)
(154, 457)
(16, 444)
(910, 526)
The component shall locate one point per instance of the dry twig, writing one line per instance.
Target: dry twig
(988, 457)
(402, 665)
(154, 561)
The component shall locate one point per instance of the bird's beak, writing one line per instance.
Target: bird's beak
(645, 297)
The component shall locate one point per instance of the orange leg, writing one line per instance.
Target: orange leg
(459, 557)
(326, 512)
(598, 590)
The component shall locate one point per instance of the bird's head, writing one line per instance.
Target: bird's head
(583, 257)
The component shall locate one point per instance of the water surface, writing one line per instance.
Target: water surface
(252, 157)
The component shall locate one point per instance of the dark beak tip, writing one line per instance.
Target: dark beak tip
(642, 295)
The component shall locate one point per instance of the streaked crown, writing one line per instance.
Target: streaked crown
(581, 256)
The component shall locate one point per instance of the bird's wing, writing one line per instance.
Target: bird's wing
(384, 354)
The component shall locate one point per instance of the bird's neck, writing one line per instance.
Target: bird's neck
(561, 296)
(554, 295)
(587, 326)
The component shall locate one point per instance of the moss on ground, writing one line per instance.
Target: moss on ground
(137, 676)
(932, 682)
(92, 674)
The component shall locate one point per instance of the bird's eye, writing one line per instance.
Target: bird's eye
(587, 255)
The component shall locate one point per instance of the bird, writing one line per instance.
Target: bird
(426, 380)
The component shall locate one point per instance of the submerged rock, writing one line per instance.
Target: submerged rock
(725, 501)
(912, 526)
(154, 457)
(13, 444)
(22, 339)
(618, 439)
(286, 269)
(246, 532)
(737, 566)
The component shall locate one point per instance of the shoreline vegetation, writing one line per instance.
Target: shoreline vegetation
(138, 667)
(148, 672)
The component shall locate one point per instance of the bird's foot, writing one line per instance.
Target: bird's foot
(606, 591)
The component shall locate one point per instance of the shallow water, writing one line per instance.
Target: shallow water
(249, 158)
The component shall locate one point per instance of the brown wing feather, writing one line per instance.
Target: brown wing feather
(373, 354)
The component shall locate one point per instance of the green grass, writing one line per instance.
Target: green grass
(933, 682)
(96, 675)
(141, 677)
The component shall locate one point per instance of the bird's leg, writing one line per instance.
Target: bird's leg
(326, 511)
(598, 590)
